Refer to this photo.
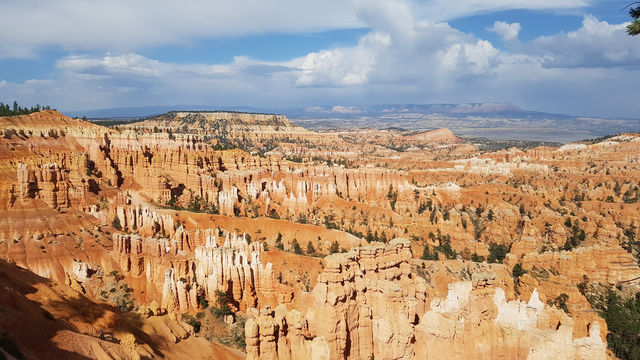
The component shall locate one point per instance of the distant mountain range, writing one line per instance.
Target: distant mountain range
(340, 111)
(498, 121)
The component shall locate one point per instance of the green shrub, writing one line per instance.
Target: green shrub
(497, 253)
(445, 246)
(195, 324)
(477, 258)
(222, 300)
(202, 301)
(518, 271)
(575, 238)
(238, 335)
(116, 223)
(561, 302)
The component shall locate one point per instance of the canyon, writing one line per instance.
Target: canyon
(242, 235)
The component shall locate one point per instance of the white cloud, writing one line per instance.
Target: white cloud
(469, 58)
(127, 64)
(344, 66)
(124, 25)
(127, 26)
(403, 59)
(443, 10)
(597, 44)
(388, 16)
(506, 31)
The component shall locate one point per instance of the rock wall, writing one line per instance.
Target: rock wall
(182, 167)
(47, 182)
(186, 271)
(368, 302)
(476, 321)
(607, 265)
(146, 221)
(233, 268)
(365, 303)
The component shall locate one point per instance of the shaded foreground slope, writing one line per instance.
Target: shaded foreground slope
(42, 319)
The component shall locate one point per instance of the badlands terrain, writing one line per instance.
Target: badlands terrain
(224, 235)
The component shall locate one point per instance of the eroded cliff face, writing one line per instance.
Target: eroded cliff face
(370, 302)
(364, 304)
(261, 132)
(187, 268)
(476, 321)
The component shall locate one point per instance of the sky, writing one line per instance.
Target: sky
(562, 56)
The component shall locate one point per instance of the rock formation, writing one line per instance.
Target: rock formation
(368, 302)
(158, 206)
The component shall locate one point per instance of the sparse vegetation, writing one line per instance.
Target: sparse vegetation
(575, 238)
(428, 255)
(560, 302)
(295, 247)
(497, 253)
(311, 250)
(116, 223)
(278, 243)
(222, 301)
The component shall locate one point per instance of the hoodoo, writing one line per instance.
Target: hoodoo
(248, 236)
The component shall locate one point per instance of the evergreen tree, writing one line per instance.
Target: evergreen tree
(428, 255)
(295, 246)
(279, 244)
(310, 249)
(116, 223)
(6, 110)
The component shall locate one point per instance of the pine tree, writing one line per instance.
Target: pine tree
(335, 247)
(295, 246)
(279, 244)
(310, 249)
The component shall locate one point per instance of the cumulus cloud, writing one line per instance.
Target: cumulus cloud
(388, 16)
(404, 58)
(344, 66)
(596, 44)
(127, 26)
(469, 58)
(506, 31)
(123, 25)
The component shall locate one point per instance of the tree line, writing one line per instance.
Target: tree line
(6, 110)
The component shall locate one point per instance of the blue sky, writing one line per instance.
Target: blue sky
(568, 56)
